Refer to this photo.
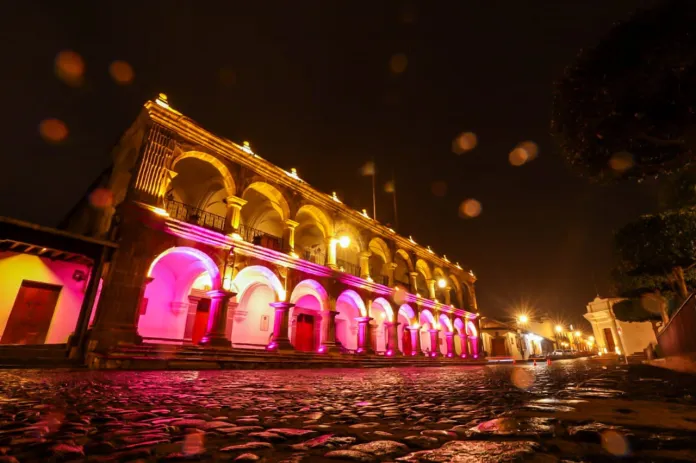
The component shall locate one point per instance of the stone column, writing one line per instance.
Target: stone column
(391, 270)
(331, 253)
(434, 348)
(393, 338)
(474, 346)
(413, 278)
(449, 338)
(281, 341)
(217, 319)
(431, 289)
(365, 264)
(364, 339)
(465, 345)
(330, 344)
(289, 235)
(234, 212)
(415, 341)
(448, 295)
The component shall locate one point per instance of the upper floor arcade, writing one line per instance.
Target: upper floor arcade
(188, 174)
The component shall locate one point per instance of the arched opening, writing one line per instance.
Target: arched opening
(402, 270)
(349, 306)
(306, 320)
(311, 235)
(379, 258)
(456, 292)
(423, 275)
(263, 216)
(252, 327)
(406, 316)
(381, 312)
(459, 328)
(445, 327)
(441, 285)
(175, 303)
(199, 191)
(348, 257)
(427, 322)
(472, 338)
(466, 297)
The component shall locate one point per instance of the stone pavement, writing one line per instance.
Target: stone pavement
(570, 411)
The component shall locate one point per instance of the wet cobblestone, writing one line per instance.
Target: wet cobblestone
(570, 411)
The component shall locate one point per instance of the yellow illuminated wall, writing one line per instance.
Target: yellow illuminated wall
(16, 267)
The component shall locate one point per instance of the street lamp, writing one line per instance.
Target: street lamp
(559, 329)
(344, 241)
(578, 334)
(523, 319)
(442, 283)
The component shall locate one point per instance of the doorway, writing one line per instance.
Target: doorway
(200, 323)
(304, 333)
(611, 347)
(31, 314)
(406, 347)
(498, 347)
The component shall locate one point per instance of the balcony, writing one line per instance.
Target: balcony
(314, 258)
(261, 238)
(194, 215)
(347, 267)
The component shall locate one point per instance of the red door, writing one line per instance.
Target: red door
(31, 314)
(201, 322)
(406, 342)
(304, 334)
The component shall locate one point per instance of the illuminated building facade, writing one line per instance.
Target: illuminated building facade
(218, 247)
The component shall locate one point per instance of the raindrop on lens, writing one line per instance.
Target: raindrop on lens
(614, 443)
(121, 72)
(398, 63)
(70, 67)
(621, 162)
(53, 130)
(470, 208)
(522, 378)
(101, 198)
(464, 142)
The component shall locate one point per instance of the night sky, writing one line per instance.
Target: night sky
(309, 84)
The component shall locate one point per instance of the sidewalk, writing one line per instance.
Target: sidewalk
(681, 363)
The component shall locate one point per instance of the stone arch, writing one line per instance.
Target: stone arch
(379, 330)
(445, 327)
(471, 329)
(427, 322)
(467, 291)
(258, 273)
(459, 325)
(445, 323)
(405, 317)
(312, 234)
(408, 312)
(349, 306)
(275, 197)
(227, 178)
(439, 276)
(423, 267)
(423, 274)
(460, 330)
(306, 320)
(457, 287)
(379, 260)
(406, 257)
(349, 258)
(402, 269)
(173, 291)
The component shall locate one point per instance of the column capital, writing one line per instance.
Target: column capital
(413, 274)
(282, 305)
(365, 254)
(412, 328)
(433, 330)
(388, 324)
(220, 293)
(449, 334)
(234, 201)
(364, 319)
(392, 265)
(291, 223)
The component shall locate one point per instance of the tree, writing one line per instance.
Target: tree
(656, 255)
(627, 106)
(632, 310)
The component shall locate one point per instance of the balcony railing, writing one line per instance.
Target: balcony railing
(194, 215)
(316, 258)
(261, 238)
(345, 266)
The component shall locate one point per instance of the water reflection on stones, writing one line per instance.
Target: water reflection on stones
(570, 411)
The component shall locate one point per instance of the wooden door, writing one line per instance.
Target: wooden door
(498, 347)
(201, 321)
(406, 342)
(31, 314)
(611, 347)
(304, 333)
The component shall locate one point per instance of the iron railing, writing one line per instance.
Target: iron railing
(194, 215)
(261, 238)
(348, 267)
(316, 258)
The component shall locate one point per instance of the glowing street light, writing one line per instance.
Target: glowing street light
(442, 283)
(559, 329)
(523, 319)
(578, 334)
(344, 241)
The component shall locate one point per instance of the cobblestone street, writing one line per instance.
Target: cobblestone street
(571, 410)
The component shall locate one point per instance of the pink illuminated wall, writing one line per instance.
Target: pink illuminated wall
(427, 322)
(458, 330)
(445, 327)
(405, 316)
(381, 312)
(348, 306)
(252, 326)
(16, 267)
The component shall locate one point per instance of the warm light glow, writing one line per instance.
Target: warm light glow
(578, 334)
(458, 266)
(246, 147)
(559, 329)
(344, 241)
(410, 238)
(364, 212)
(293, 173)
(334, 197)
(523, 318)
(442, 283)
(430, 250)
(444, 257)
(293, 254)
(237, 237)
(591, 338)
(160, 211)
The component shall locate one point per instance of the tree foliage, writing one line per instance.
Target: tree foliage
(632, 98)
(631, 310)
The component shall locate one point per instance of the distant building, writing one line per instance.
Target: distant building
(615, 336)
(501, 339)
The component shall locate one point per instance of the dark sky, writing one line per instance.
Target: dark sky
(309, 84)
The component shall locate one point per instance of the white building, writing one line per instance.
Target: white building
(612, 335)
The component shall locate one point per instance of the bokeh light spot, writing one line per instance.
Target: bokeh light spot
(615, 443)
(621, 162)
(53, 130)
(368, 168)
(470, 208)
(389, 187)
(70, 67)
(398, 63)
(101, 198)
(464, 142)
(522, 378)
(523, 153)
(439, 188)
(121, 72)
(400, 296)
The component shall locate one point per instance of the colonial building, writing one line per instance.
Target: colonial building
(219, 247)
(613, 335)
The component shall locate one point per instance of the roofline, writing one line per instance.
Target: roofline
(55, 231)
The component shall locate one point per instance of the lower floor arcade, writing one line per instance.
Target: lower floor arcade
(188, 298)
